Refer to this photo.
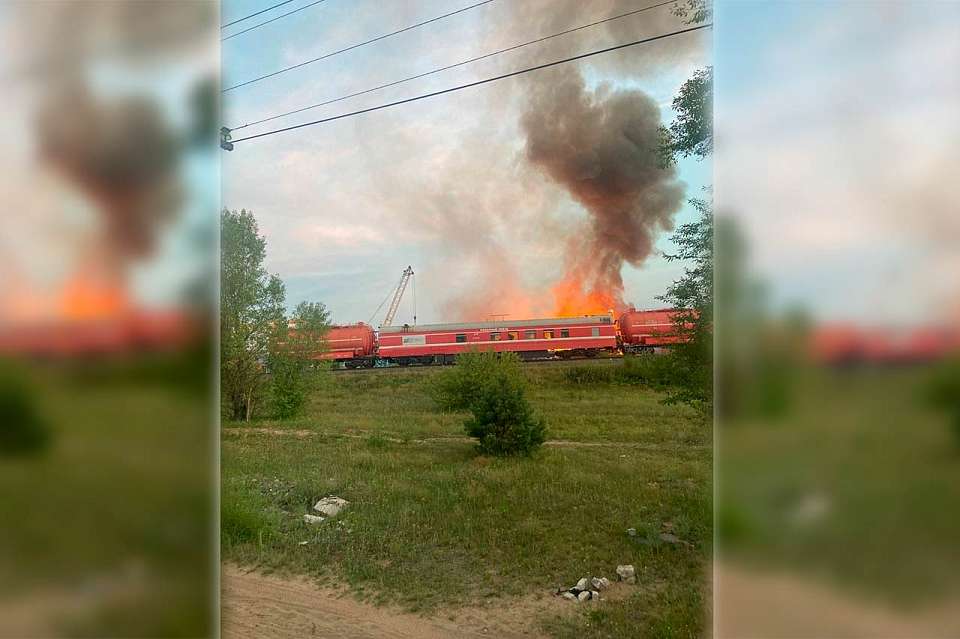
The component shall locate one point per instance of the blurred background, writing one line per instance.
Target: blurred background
(110, 186)
(838, 306)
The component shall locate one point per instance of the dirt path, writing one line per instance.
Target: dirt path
(559, 443)
(255, 605)
(775, 606)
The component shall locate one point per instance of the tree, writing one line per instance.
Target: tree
(293, 355)
(692, 296)
(251, 310)
(691, 132)
(491, 386)
(695, 11)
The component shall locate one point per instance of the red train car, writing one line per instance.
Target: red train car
(355, 343)
(647, 330)
(531, 339)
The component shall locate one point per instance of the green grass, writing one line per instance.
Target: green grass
(432, 526)
(119, 503)
(885, 463)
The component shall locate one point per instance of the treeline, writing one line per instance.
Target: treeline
(268, 359)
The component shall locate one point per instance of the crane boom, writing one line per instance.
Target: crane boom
(395, 302)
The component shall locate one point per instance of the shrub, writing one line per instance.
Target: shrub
(493, 388)
(655, 371)
(588, 375)
(943, 392)
(459, 387)
(503, 419)
(22, 429)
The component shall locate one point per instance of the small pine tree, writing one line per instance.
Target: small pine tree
(503, 420)
(492, 387)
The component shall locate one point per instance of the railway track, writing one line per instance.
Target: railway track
(539, 362)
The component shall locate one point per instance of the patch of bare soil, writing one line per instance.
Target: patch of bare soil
(254, 605)
(774, 606)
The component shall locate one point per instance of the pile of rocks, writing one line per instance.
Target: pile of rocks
(586, 589)
(328, 506)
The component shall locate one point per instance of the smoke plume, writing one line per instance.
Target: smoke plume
(602, 148)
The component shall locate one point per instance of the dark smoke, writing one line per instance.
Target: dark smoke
(602, 147)
(122, 155)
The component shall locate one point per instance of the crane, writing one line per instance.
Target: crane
(398, 294)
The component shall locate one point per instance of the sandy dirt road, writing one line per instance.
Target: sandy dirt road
(255, 605)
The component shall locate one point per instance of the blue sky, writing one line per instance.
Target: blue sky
(347, 205)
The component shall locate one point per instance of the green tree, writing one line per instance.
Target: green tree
(293, 358)
(694, 11)
(251, 313)
(692, 296)
(691, 132)
(492, 387)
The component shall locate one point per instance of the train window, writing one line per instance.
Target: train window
(547, 334)
(461, 337)
(530, 335)
(513, 335)
(595, 332)
(564, 332)
(495, 337)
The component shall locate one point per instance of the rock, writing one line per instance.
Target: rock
(605, 582)
(330, 506)
(594, 594)
(631, 532)
(584, 596)
(569, 595)
(583, 584)
(313, 519)
(598, 583)
(304, 543)
(627, 573)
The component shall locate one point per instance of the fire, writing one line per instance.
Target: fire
(86, 297)
(571, 300)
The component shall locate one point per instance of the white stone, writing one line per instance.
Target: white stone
(584, 596)
(598, 584)
(569, 595)
(583, 584)
(313, 519)
(627, 573)
(594, 594)
(330, 506)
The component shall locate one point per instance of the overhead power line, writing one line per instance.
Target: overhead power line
(477, 83)
(355, 46)
(253, 15)
(451, 66)
(282, 15)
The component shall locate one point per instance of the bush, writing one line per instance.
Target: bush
(503, 419)
(492, 387)
(288, 388)
(588, 375)
(459, 388)
(655, 371)
(22, 429)
(943, 392)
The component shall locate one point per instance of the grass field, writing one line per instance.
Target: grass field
(860, 486)
(432, 526)
(109, 531)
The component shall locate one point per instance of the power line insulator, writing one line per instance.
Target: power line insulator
(225, 138)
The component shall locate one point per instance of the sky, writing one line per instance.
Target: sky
(837, 127)
(443, 184)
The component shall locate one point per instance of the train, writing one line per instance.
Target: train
(361, 346)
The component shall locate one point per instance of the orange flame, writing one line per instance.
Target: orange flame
(571, 300)
(86, 297)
